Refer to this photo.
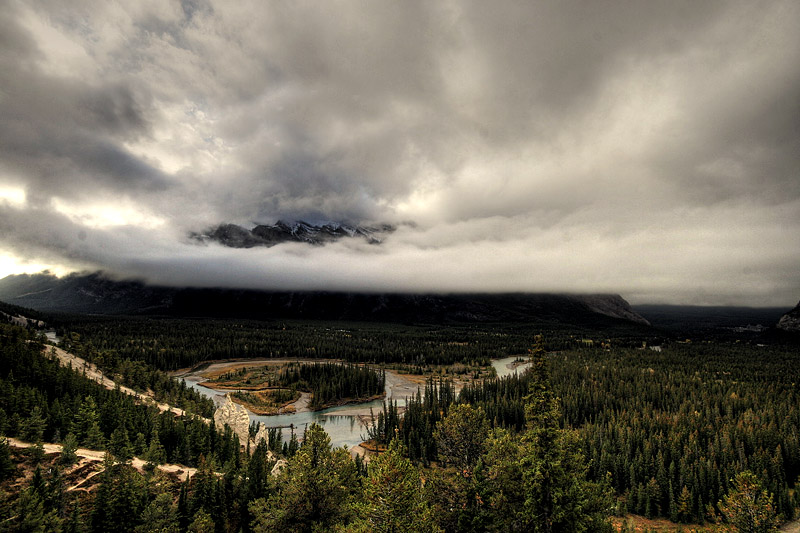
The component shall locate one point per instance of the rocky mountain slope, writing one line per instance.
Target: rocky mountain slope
(791, 320)
(235, 236)
(95, 293)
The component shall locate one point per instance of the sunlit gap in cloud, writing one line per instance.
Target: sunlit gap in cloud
(11, 264)
(103, 215)
(13, 195)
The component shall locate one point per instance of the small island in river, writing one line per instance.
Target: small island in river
(287, 387)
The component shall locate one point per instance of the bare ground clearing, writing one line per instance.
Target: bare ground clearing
(97, 456)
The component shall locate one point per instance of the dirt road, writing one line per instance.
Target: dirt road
(99, 455)
(791, 527)
(95, 374)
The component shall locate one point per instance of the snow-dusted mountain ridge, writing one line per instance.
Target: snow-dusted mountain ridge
(319, 233)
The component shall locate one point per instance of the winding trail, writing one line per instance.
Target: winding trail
(95, 374)
(99, 455)
(791, 527)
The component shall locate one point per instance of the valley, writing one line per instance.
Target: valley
(399, 267)
(653, 423)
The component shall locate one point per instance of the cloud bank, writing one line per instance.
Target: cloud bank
(649, 149)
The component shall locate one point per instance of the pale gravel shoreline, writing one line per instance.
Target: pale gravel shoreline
(398, 386)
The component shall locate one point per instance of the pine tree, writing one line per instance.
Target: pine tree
(74, 523)
(201, 523)
(85, 419)
(160, 516)
(546, 487)
(203, 494)
(155, 454)
(36, 452)
(119, 498)
(392, 497)
(139, 444)
(120, 444)
(32, 429)
(31, 514)
(315, 492)
(460, 437)
(258, 473)
(94, 440)
(7, 467)
(685, 505)
(748, 506)
(184, 516)
(68, 449)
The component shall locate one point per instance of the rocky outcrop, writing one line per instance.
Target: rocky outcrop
(262, 433)
(278, 468)
(791, 320)
(236, 417)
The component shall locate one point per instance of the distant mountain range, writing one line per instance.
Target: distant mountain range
(269, 235)
(97, 294)
(689, 318)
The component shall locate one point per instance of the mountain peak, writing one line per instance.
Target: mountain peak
(268, 235)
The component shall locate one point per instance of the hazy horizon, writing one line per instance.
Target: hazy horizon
(644, 149)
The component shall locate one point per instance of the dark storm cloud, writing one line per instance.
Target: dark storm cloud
(65, 136)
(647, 148)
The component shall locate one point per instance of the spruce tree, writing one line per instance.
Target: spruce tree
(315, 490)
(68, 450)
(7, 467)
(748, 506)
(460, 437)
(392, 496)
(32, 429)
(160, 516)
(120, 444)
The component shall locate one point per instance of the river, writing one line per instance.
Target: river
(341, 423)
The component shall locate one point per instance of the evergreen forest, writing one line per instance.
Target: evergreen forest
(333, 383)
(599, 428)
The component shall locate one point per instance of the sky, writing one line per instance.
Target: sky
(650, 149)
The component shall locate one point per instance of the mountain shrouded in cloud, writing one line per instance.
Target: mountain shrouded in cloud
(271, 235)
(643, 148)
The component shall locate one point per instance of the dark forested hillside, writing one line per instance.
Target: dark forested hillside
(42, 400)
(97, 294)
